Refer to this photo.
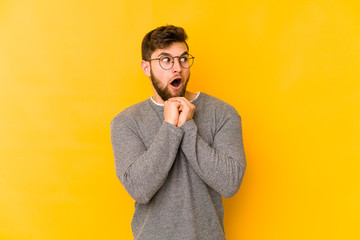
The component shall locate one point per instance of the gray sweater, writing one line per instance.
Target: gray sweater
(177, 175)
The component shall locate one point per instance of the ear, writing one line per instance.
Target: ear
(145, 65)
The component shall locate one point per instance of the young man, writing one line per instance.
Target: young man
(177, 152)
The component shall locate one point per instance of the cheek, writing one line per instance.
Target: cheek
(186, 73)
(161, 78)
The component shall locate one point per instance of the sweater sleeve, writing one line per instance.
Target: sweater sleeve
(222, 165)
(143, 171)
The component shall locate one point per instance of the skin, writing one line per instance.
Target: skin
(177, 108)
(186, 110)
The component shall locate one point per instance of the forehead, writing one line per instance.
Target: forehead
(175, 49)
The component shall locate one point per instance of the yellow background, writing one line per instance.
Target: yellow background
(291, 69)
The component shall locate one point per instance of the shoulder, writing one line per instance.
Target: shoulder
(130, 114)
(212, 103)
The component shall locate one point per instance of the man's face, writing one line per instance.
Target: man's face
(172, 82)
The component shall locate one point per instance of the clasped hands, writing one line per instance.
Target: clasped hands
(178, 110)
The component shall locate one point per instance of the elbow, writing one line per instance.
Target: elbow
(234, 186)
(139, 194)
(231, 191)
(140, 198)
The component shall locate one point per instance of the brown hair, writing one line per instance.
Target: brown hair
(160, 38)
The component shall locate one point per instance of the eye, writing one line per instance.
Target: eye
(184, 58)
(165, 59)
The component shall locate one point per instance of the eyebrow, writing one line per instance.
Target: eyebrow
(168, 54)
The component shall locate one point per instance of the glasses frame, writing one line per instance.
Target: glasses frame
(173, 61)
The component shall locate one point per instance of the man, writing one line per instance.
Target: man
(177, 152)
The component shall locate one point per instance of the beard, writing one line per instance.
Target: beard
(164, 92)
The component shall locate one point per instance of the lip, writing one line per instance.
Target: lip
(181, 82)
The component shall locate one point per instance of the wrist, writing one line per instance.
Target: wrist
(171, 122)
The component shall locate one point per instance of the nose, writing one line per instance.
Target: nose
(177, 66)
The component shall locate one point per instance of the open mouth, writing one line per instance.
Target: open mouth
(176, 82)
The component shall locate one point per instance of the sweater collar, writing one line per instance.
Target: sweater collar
(162, 105)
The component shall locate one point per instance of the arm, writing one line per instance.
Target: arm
(143, 171)
(223, 164)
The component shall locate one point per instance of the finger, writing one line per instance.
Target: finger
(179, 99)
(187, 105)
(171, 102)
(173, 99)
(182, 100)
(177, 104)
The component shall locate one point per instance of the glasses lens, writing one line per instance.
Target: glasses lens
(186, 61)
(166, 62)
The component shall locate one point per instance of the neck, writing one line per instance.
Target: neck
(190, 95)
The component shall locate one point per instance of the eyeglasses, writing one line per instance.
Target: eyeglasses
(167, 62)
